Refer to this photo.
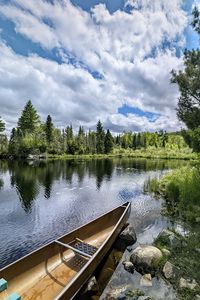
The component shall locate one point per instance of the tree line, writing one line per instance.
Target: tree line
(31, 136)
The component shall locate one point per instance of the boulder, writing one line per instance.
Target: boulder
(146, 259)
(188, 284)
(128, 235)
(128, 266)
(146, 280)
(169, 270)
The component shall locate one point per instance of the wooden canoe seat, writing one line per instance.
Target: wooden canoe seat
(80, 247)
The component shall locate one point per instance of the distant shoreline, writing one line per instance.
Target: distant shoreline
(145, 154)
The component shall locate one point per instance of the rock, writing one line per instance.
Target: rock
(197, 297)
(146, 280)
(128, 266)
(169, 238)
(129, 248)
(146, 259)
(169, 270)
(188, 284)
(166, 252)
(118, 293)
(128, 235)
(92, 285)
(145, 298)
(125, 292)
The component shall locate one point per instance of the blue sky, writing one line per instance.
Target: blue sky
(85, 60)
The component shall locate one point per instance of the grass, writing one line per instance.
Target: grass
(151, 152)
(180, 188)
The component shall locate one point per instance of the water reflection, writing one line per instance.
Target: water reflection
(40, 201)
(28, 177)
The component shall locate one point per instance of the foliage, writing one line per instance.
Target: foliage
(100, 134)
(29, 119)
(188, 80)
(108, 142)
(181, 190)
(2, 125)
(49, 129)
(32, 137)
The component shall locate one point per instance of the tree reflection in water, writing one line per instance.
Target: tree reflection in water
(29, 178)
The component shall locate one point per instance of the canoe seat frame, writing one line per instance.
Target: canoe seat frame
(73, 249)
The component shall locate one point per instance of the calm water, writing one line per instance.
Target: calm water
(40, 201)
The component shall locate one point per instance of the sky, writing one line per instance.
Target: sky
(85, 60)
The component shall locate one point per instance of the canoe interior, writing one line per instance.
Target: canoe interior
(43, 274)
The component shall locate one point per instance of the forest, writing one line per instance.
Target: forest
(33, 137)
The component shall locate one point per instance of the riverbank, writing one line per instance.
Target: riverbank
(151, 153)
(148, 153)
(165, 266)
(143, 153)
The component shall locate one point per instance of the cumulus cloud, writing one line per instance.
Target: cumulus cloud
(133, 51)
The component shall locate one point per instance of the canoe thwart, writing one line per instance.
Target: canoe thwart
(74, 249)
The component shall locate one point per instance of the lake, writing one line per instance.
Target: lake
(40, 201)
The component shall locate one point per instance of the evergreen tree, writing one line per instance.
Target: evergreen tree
(29, 119)
(100, 137)
(134, 141)
(49, 129)
(108, 142)
(2, 125)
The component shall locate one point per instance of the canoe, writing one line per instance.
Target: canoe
(59, 269)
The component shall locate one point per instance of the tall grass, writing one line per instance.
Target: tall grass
(181, 189)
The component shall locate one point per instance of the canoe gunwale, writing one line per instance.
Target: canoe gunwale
(127, 207)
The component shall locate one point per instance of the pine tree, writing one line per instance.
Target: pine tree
(2, 125)
(108, 142)
(100, 137)
(29, 119)
(49, 129)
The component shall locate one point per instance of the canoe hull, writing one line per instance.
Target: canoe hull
(47, 273)
(85, 274)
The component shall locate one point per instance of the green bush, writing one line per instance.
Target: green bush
(181, 190)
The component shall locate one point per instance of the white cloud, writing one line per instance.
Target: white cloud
(127, 49)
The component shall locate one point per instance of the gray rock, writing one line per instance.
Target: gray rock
(145, 298)
(125, 292)
(118, 293)
(92, 284)
(128, 266)
(146, 259)
(146, 280)
(128, 235)
(188, 284)
(169, 270)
